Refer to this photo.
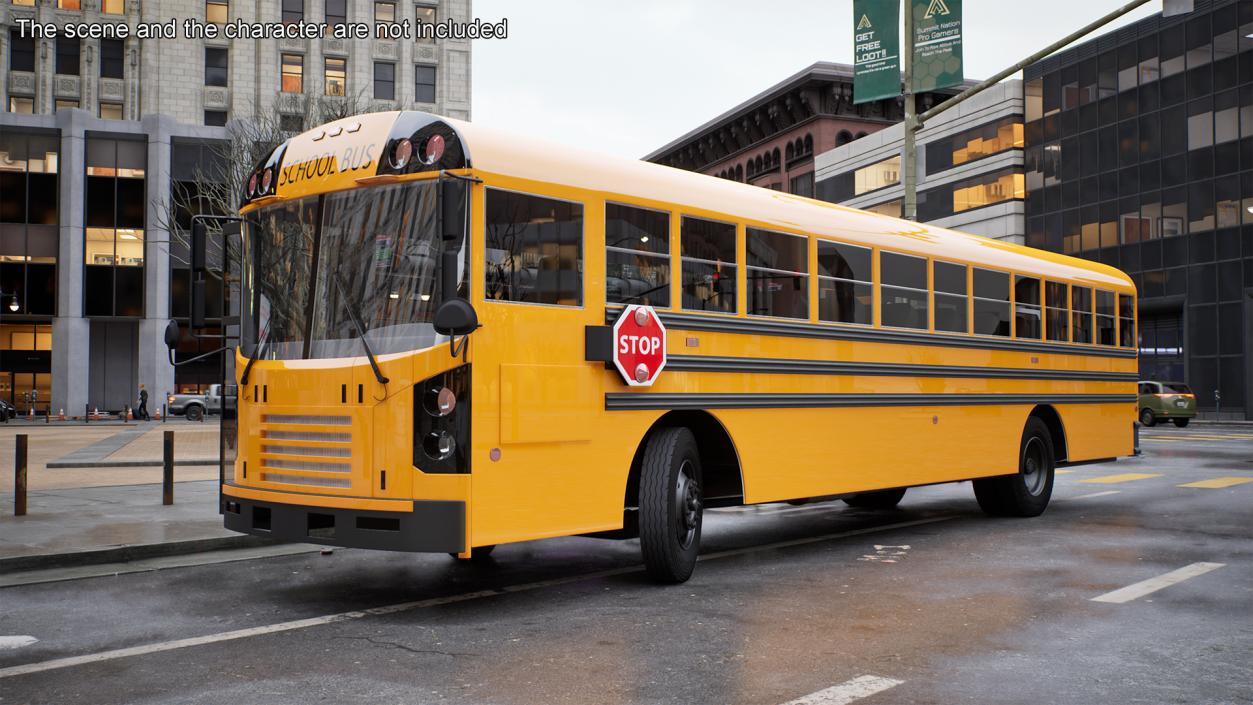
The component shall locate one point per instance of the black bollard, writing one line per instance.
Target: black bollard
(167, 469)
(19, 477)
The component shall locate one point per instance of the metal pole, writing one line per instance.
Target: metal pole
(909, 173)
(19, 477)
(167, 469)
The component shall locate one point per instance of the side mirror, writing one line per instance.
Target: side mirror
(172, 335)
(199, 238)
(456, 317)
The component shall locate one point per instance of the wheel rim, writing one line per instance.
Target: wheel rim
(687, 505)
(1034, 472)
(1146, 418)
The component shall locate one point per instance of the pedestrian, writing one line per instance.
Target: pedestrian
(143, 404)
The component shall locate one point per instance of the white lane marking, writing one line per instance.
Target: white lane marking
(885, 554)
(16, 641)
(158, 647)
(1145, 587)
(848, 691)
(1095, 494)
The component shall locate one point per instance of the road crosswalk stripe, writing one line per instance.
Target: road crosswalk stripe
(848, 691)
(1145, 587)
(1218, 483)
(1123, 477)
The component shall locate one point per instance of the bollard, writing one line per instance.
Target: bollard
(167, 469)
(86, 413)
(19, 477)
(126, 413)
(165, 411)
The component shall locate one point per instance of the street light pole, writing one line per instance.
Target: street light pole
(909, 154)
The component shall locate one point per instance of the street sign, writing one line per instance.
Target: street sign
(937, 44)
(876, 50)
(639, 345)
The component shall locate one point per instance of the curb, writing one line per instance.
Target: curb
(133, 552)
(54, 464)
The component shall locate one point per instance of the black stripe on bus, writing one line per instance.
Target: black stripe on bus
(752, 326)
(626, 401)
(710, 363)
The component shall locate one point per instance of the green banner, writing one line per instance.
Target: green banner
(876, 50)
(937, 44)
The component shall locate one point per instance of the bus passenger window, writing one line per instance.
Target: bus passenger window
(845, 286)
(903, 297)
(1056, 319)
(1126, 321)
(534, 249)
(991, 302)
(1026, 307)
(950, 297)
(778, 274)
(637, 256)
(708, 265)
(1081, 313)
(1105, 318)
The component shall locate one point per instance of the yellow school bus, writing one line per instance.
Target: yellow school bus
(424, 365)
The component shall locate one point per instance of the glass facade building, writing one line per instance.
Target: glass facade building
(1139, 154)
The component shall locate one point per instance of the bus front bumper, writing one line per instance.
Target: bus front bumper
(431, 526)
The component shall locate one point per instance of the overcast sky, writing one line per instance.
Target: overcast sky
(628, 77)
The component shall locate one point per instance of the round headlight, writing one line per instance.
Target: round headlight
(401, 153)
(266, 179)
(440, 401)
(440, 445)
(252, 186)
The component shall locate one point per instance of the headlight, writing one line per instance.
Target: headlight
(441, 422)
(440, 445)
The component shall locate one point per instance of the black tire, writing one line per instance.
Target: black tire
(1181, 423)
(1147, 418)
(882, 499)
(478, 553)
(671, 508)
(1026, 493)
(195, 412)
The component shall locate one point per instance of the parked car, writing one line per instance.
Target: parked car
(195, 406)
(7, 411)
(1166, 400)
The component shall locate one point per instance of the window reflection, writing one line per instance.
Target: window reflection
(877, 176)
(637, 256)
(707, 250)
(534, 249)
(845, 284)
(778, 274)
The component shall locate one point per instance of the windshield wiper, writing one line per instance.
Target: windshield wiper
(256, 355)
(356, 322)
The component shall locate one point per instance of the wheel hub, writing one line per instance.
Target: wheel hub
(687, 505)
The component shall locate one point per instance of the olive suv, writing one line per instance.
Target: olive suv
(1166, 400)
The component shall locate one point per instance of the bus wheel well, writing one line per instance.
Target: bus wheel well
(722, 484)
(1053, 421)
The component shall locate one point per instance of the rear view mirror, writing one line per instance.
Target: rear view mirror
(456, 317)
(172, 335)
(199, 238)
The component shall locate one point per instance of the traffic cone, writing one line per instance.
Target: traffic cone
(61, 416)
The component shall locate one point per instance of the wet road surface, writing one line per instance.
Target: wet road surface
(1135, 587)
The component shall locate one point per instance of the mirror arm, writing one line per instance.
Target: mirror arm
(198, 357)
(457, 348)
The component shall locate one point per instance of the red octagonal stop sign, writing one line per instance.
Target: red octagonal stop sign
(639, 345)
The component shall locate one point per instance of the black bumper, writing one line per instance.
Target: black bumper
(433, 525)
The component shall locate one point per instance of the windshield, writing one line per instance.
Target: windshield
(371, 252)
(1176, 388)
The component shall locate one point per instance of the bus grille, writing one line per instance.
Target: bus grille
(307, 419)
(313, 458)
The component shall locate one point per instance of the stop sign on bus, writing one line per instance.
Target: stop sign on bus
(639, 345)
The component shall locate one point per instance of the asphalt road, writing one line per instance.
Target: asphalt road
(931, 603)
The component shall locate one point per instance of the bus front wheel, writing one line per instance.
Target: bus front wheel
(671, 508)
(1025, 494)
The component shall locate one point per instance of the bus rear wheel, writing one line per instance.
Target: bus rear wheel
(1027, 493)
(883, 499)
(671, 508)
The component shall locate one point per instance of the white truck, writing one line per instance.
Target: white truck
(195, 406)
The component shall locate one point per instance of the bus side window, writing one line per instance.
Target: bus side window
(1126, 321)
(1057, 320)
(903, 290)
(1081, 313)
(778, 274)
(845, 286)
(991, 302)
(534, 249)
(950, 297)
(707, 255)
(1105, 318)
(637, 256)
(1026, 307)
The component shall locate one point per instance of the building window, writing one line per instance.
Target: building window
(845, 283)
(217, 11)
(384, 12)
(384, 80)
(876, 176)
(113, 7)
(976, 143)
(336, 75)
(903, 290)
(336, 11)
(1027, 307)
(293, 73)
(113, 254)
(1105, 318)
(1057, 317)
(637, 256)
(424, 84)
(950, 296)
(1081, 313)
(707, 265)
(976, 192)
(534, 249)
(291, 123)
(215, 118)
(27, 3)
(891, 208)
(62, 104)
(294, 11)
(215, 66)
(111, 111)
(778, 274)
(424, 31)
(802, 185)
(68, 56)
(111, 52)
(29, 234)
(991, 302)
(21, 52)
(18, 104)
